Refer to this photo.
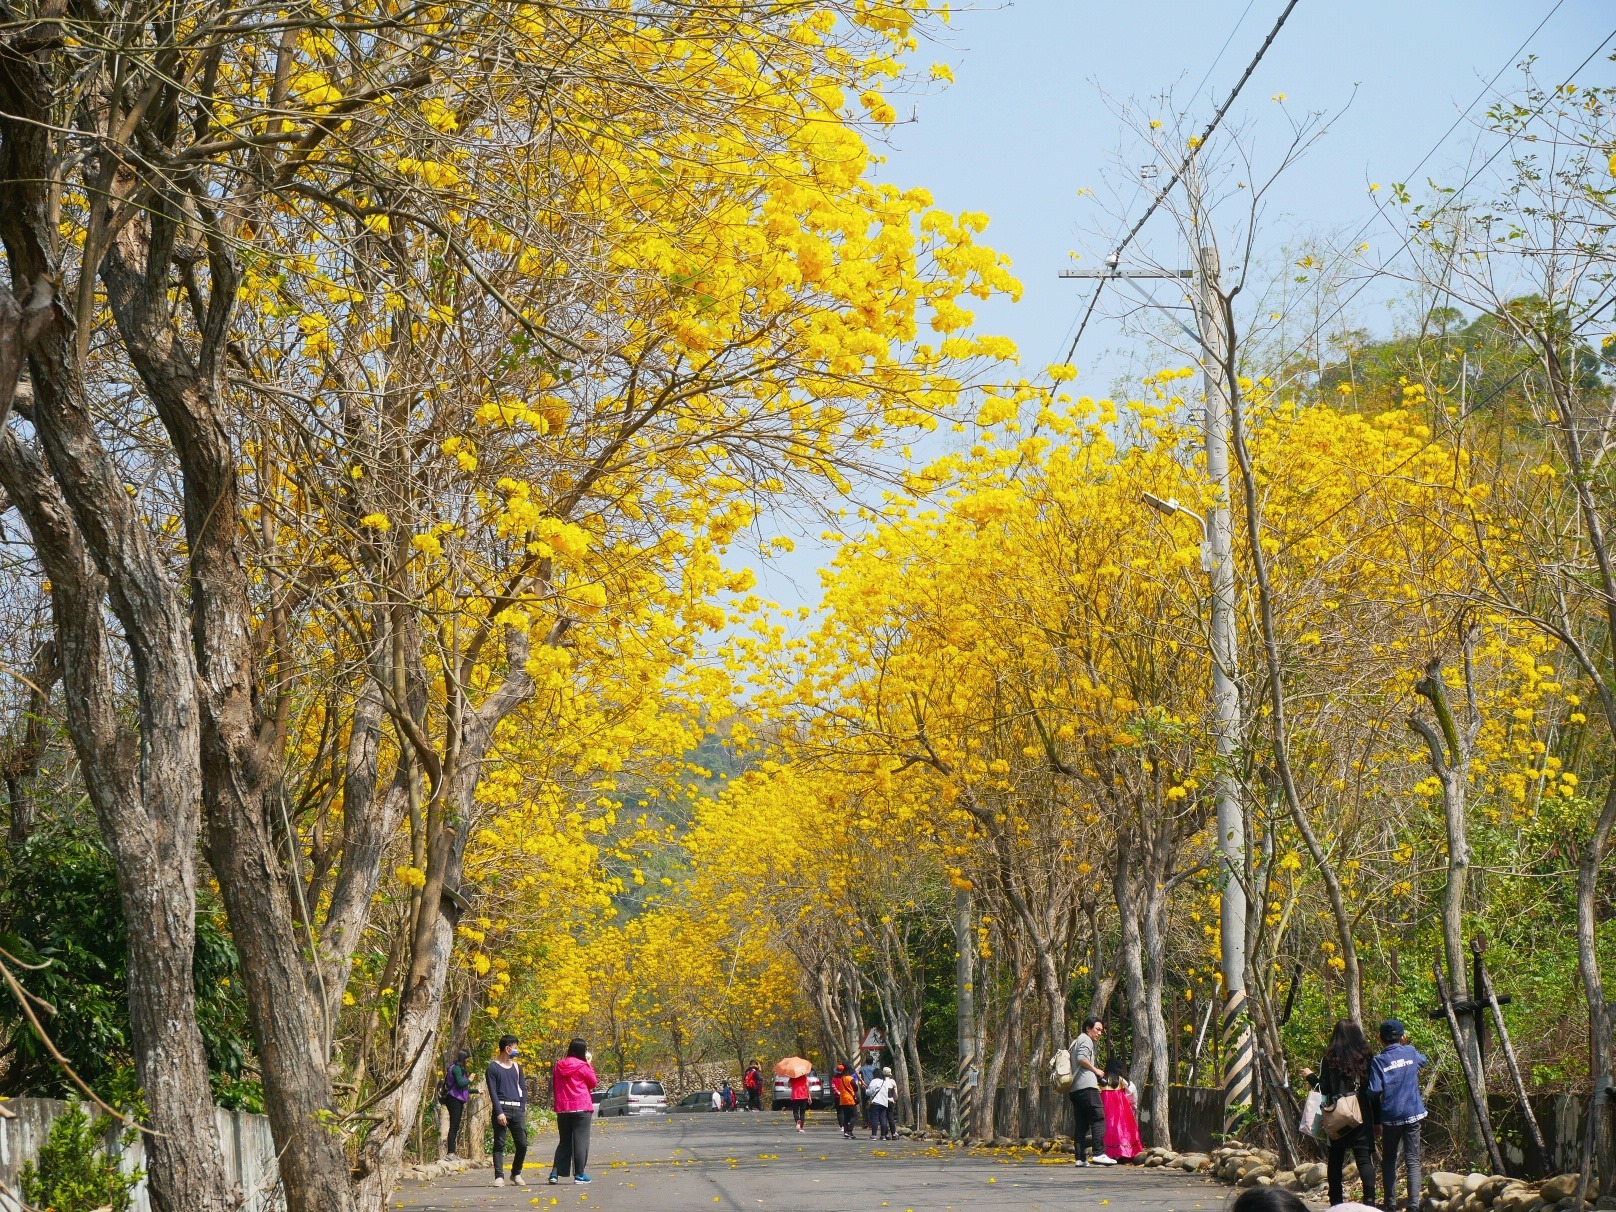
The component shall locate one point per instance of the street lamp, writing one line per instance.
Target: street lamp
(1170, 506)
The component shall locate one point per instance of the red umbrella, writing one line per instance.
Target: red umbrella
(792, 1066)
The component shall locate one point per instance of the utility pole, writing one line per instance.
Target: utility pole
(1217, 561)
(1237, 1047)
(968, 1082)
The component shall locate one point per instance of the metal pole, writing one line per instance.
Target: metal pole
(1237, 1045)
(1478, 1108)
(969, 1080)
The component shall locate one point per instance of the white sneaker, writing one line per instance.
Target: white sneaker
(519, 1181)
(499, 1181)
(1080, 1162)
(1105, 1160)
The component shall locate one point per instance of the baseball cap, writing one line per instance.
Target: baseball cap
(1391, 1030)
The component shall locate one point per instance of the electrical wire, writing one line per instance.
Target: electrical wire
(1178, 173)
(1457, 193)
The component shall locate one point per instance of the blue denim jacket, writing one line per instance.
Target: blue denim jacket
(1394, 1078)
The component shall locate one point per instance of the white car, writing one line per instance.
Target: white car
(637, 1097)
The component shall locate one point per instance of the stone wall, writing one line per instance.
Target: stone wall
(249, 1152)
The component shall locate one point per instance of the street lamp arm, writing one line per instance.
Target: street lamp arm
(1171, 506)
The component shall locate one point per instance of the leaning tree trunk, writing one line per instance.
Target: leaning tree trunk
(1601, 1059)
(1448, 749)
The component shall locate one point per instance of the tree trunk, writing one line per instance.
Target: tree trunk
(143, 789)
(1154, 940)
(1009, 1042)
(1130, 902)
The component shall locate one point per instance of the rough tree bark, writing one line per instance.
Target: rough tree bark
(144, 790)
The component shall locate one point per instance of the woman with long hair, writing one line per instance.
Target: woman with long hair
(454, 1092)
(1344, 1071)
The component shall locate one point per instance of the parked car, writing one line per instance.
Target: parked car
(701, 1100)
(596, 1095)
(638, 1097)
(819, 1092)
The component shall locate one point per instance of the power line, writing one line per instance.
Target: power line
(1457, 193)
(1222, 50)
(1178, 173)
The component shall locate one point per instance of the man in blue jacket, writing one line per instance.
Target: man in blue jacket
(1394, 1081)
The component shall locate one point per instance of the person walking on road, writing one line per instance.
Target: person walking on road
(846, 1087)
(507, 1093)
(883, 1090)
(573, 1080)
(453, 1095)
(799, 1102)
(1343, 1071)
(752, 1082)
(1394, 1080)
(867, 1075)
(1088, 1112)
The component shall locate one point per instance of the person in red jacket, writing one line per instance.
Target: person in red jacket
(799, 1102)
(573, 1080)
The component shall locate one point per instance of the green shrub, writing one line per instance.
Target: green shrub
(74, 1172)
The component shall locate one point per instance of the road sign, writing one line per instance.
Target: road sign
(873, 1041)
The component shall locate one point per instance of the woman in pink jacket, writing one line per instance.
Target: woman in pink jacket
(573, 1080)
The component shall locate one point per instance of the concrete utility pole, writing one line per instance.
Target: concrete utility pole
(1217, 561)
(1237, 1048)
(968, 1083)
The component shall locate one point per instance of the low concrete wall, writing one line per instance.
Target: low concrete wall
(249, 1152)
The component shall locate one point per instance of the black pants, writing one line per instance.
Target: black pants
(1361, 1144)
(1408, 1137)
(754, 1100)
(456, 1109)
(572, 1152)
(881, 1120)
(516, 1125)
(1088, 1122)
(799, 1111)
(846, 1115)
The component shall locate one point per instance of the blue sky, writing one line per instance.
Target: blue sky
(1027, 123)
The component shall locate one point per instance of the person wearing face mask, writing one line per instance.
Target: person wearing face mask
(507, 1095)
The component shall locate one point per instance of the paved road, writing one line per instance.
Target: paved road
(745, 1162)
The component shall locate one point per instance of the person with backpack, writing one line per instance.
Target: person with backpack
(1394, 1080)
(507, 1095)
(454, 1092)
(1088, 1112)
(573, 1080)
(846, 1087)
(752, 1081)
(867, 1073)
